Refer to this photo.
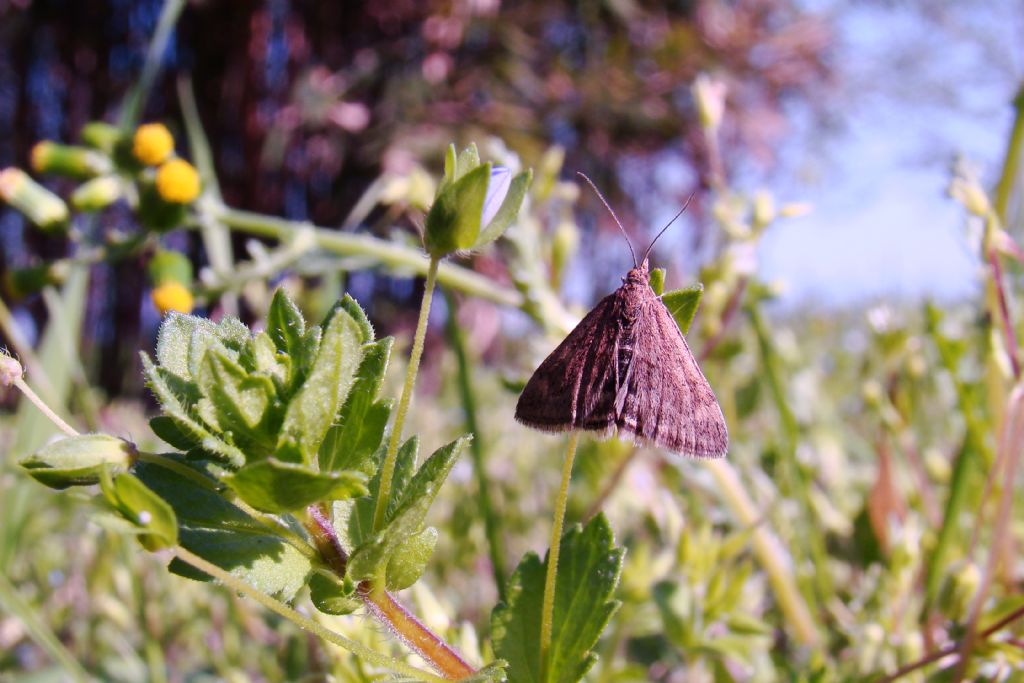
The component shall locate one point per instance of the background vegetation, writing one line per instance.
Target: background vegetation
(865, 520)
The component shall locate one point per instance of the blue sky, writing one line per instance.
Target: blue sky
(914, 95)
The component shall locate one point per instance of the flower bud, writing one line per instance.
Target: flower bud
(764, 210)
(96, 194)
(172, 296)
(79, 460)
(152, 144)
(39, 205)
(10, 369)
(169, 266)
(968, 192)
(177, 182)
(709, 96)
(20, 282)
(68, 161)
(101, 136)
(474, 205)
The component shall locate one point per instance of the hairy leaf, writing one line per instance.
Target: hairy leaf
(274, 486)
(682, 304)
(588, 572)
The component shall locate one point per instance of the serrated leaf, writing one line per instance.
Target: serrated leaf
(79, 460)
(228, 336)
(682, 304)
(137, 503)
(352, 307)
(285, 324)
(243, 403)
(354, 519)
(268, 361)
(371, 557)
(167, 430)
(331, 596)
(173, 338)
(410, 560)
(351, 443)
(220, 532)
(453, 222)
(313, 408)
(508, 210)
(588, 572)
(279, 487)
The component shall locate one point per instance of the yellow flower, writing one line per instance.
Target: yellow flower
(153, 143)
(172, 296)
(177, 181)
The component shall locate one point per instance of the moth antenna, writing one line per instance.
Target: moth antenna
(648, 252)
(612, 212)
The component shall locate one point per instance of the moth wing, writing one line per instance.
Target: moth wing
(665, 399)
(575, 385)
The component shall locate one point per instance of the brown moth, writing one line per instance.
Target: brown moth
(626, 367)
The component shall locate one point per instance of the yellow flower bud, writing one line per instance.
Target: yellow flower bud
(177, 181)
(152, 144)
(172, 296)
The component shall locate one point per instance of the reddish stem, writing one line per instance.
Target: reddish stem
(1004, 311)
(383, 606)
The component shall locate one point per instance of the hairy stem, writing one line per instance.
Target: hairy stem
(45, 409)
(383, 606)
(550, 579)
(387, 471)
(283, 610)
(414, 633)
(387, 253)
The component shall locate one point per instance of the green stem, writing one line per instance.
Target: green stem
(550, 579)
(301, 621)
(136, 98)
(387, 253)
(769, 552)
(387, 471)
(495, 547)
(1011, 162)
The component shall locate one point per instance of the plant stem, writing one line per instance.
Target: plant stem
(1011, 162)
(382, 605)
(495, 547)
(384, 252)
(413, 633)
(769, 552)
(135, 101)
(45, 409)
(302, 621)
(550, 579)
(388, 468)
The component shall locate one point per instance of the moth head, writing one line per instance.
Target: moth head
(638, 274)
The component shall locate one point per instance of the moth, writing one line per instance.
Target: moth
(627, 368)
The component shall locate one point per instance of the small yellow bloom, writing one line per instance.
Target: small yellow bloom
(177, 181)
(153, 143)
(172, 296)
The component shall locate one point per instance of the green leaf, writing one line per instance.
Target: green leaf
(241, 403)
(313, 408)
(354, 519)
(453, 222)
(141, 506)
(332, 596)
(79, 460)
(168, 431)
(285, 324)
(223, 534)
(278, 487)
(508, 210)
(352, 307)
(588, 572)
(468, 160)
(170, 397)
(657, 281)
(410, 560)
(174, 338)
(229, 336)
(682, 304)
(351, 443)
(370, 559)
